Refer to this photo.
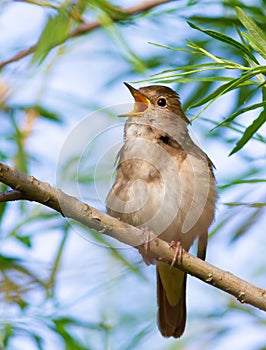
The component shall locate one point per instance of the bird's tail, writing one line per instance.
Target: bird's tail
(171, 294)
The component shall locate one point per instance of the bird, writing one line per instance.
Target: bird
(164, 182)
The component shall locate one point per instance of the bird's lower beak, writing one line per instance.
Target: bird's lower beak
(142, 103)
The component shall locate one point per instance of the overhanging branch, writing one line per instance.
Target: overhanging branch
(35, 190)
(85, 28)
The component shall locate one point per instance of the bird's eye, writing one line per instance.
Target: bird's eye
(161, 102)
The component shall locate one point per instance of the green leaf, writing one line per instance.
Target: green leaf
(26, 240)
(7, 332)
(257, 37)
(168, 80)
(246, 204)
(216, 93)
(200, 66)
(10, 263)
(46, 113)
(239, 182)
(21, 157)
(226, 39)
(55, 33)
(249, 132)
(114, 12)
(255, 45)
(170, 47)
(235, 83)
(239, 112)
(250, 220)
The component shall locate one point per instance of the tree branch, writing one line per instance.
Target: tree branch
(85, 28)
(34, 190)
(11, 195)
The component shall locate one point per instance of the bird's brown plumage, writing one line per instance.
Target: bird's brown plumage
(165, 182)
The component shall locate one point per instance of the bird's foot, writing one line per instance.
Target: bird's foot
(148, 235)
(178, 252)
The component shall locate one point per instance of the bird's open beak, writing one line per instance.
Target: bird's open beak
(142, 103)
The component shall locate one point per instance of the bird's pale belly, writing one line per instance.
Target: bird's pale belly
(165, 202)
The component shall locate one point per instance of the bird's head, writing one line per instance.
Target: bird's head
(157, 97)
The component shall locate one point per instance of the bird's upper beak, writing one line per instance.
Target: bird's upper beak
(142, 103)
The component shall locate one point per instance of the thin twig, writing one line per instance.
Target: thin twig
(10, 195)
(85, 28)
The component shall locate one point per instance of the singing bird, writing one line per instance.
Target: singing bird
(164, 182)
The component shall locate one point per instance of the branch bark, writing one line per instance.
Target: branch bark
(85, 28)
(33, 189)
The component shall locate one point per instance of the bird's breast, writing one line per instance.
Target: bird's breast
(161, 187)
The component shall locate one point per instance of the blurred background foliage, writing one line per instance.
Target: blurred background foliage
(62, 63)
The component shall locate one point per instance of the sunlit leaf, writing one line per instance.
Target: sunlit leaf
(240, 182)
(235, 83)
(255, 45)
(54, 33)
(114, 12)
(228, 40)
(246, 204)
(257, 37)
(249, 132)
(241, 111)
(26, 240)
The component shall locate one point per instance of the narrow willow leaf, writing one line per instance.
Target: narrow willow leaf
(169, 80)
(218, 92)
(55, 33)
(246, 204)
(255, 45)
(41, 110)
(21, 157)
(249, 132)
(226, 39)
(26, 240)
(199, 90)
(177, 75)
(39, 341)
(46, 113)
(170, 47)
(244, 79)
(240, 182)
(249, 221)
(222, 222)
(189, 67)
(114, 12)
(17, 264)
(241, 111)
(226, 63)
(215, 20)
(257, 37)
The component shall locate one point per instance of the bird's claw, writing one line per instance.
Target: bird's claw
(178, 252)
(144, 248)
